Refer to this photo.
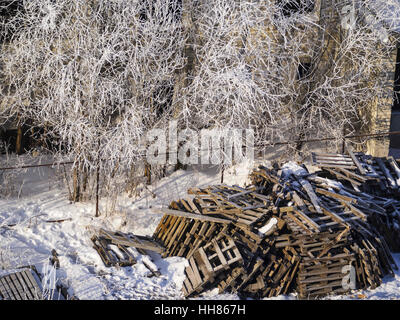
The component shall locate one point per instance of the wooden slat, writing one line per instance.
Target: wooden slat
(190, 215)
(12, 287)
(18, 286)
(386, 172)
(355, 160)
(32, 284)
(6, 292)
(314, 199)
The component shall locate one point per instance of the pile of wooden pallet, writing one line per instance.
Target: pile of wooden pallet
(375, 184)
(375, 175)
(313, 233)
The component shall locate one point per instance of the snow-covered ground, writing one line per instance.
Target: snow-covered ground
(43, 198)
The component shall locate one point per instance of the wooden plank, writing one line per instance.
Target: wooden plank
(12, 287)
(205, 260)
(335, 195)
(342, 176)
(18, 286)
(242, 193)
(137, 242)
(308, 220)
(179, 213)
(395, 168)
(351, 174)
(333, 160)
(310, 192)
(356, 211)
(193, 206)
(386, 172)
(191, 277)
(326, 154)
(3, 291)
(32, 284)
(196, 273)
(7, 292)
(356, 162)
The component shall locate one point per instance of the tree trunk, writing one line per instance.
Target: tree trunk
(97, 189)
(18, 144)
(76, 185)
(147, 173)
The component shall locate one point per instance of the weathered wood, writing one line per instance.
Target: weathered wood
(356, 162)
(327, 226)
(190, 215)
(20, 286)
(132, 241)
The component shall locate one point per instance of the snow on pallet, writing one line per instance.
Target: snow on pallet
(360, 169)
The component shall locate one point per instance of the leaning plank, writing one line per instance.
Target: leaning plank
(190, 215)
(356, 162)
(314, 199)
(386, 172)
(395, 168)
(335, 195)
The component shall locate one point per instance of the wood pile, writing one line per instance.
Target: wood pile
(315, 232)
(375, 182)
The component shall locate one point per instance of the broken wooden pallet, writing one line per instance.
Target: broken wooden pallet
(131, 240)
(331, 160)
(111, 254)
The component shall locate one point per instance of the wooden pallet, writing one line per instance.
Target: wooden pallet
(197, 278)
(23, 285)
(183, 232)
(113, 254)
(331, 160)
(319, 276)
(219, 254)
(131, 240)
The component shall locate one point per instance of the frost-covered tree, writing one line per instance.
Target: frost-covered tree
(290, 69)
(99, 74)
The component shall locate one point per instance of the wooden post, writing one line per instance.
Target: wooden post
(343, 146)
(67, 181)
(18, 143)
(97, 190)
(344, 140)
(98, 180)
(76, 185)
